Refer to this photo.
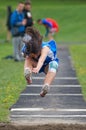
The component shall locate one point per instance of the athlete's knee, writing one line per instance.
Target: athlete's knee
(53, 66)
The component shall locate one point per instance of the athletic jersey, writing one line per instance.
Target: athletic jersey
(45, 22)
(52, 55)
(54, 23)
(50, 22)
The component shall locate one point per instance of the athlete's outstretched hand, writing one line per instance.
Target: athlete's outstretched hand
(35, 70)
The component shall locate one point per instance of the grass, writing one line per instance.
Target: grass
(11, 81)
(78, 53)
(72, 22)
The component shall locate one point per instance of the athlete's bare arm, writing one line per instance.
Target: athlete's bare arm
(42, 58)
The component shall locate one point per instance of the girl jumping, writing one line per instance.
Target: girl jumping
(39, 57)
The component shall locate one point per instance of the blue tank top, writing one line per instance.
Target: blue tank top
(52, 55)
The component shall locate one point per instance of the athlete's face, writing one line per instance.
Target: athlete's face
(40, 22)
(32, 55)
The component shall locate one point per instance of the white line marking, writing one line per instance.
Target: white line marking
(72, 78)
(48, 116)
(50, 109)
(60, 94)
(27, 109)
(39, 85)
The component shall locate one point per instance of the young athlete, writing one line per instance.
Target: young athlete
(51, 26)
(39, 57)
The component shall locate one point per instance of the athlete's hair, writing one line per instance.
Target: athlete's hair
(38, 20)
(27, 2)
(34, 43)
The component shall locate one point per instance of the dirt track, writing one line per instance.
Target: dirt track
(43, 127)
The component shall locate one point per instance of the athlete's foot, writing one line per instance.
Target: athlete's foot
(29, 80)
(28, 76)
(44, 90)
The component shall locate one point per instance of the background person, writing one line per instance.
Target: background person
(28, 15)
(39, 57)
(18, 29)
(9, 12)
(51, 26)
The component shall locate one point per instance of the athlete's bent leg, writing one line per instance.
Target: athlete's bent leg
(28, 66)
(50, 76)
(28, 70)
(28, 75)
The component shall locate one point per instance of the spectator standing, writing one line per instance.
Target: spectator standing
(51, 26)
(28, 15)
(9, 12)
(18, 29)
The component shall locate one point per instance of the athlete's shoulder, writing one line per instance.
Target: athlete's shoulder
(44, 44)
(50, 43)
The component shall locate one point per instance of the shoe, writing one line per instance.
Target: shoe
(16, 60)
(45, 90)
(29, 80)
(28, 76)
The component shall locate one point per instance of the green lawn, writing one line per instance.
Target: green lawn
(72, 22)
(11, 81)
(78, 53)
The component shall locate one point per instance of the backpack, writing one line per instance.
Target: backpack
(9, 13)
